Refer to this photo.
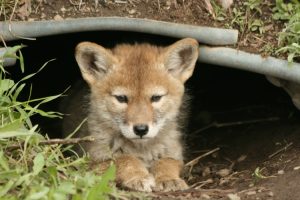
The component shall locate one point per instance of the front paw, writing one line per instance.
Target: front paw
(170, 185)
(143, 184)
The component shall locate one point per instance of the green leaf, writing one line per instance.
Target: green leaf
(291, 57)
(11, 126)
(10, 134)
(21, 58)
(52, 171)
(11, 51)
(25, 178)
(17, 92)
(67, 188)
(5, 85)
(3, 161)
(39, 194)
(10, 174)
(4, 189)
(38, 163)
(102, 188)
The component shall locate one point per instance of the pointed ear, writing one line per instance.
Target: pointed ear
(180, 58)
(94, 61)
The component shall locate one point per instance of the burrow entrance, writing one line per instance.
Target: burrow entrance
(239, 112)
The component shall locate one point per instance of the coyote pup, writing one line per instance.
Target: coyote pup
(134, 98)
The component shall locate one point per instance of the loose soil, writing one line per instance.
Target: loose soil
(252, 123)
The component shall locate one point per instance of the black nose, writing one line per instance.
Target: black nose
(140, 129)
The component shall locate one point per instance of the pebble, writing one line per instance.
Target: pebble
(242, 158)
(132, 11)
(251, 193)
(233, 197)
(223, 172)
(297, 168)
(206, 171)
(270, 194)
(280, 172)
(226, 3)
(204, 196)
(58, 18)
(43, 15)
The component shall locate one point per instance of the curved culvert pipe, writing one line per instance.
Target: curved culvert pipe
(250, 62)
(214, 36)
(6, 61)
(207, 35)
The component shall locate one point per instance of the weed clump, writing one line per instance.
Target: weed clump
(31, 169)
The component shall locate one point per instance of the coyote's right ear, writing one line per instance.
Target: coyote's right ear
(180, 58)
(94, 61)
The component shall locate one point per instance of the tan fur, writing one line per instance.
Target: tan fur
(138, 72)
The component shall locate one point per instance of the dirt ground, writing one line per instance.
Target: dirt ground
(245, 132)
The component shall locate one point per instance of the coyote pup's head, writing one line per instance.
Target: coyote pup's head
(137, 89)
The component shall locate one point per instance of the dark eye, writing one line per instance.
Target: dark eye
(155, 98)
(121, 98)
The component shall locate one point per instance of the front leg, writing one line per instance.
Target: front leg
(166, 172)
(132, 174)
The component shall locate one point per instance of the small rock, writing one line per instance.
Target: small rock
(271, 194)
(269, 27)
(204, 196)
(132, 11)
(168, 5)
(206, 171)
(280, 172)
(223, 181)
(297, 168)
(225, 3)
(43, 16)
(30, 19)
(242, 158)
(251, 193)
(63, 9)
(233, 197)
(58, 18)
(223, 172)
(210, 180)
(214, 155)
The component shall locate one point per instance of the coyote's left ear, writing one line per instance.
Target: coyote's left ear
(180, 58)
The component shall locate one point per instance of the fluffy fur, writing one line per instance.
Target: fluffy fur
(131, 85)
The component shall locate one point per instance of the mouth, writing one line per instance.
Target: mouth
(140, 139)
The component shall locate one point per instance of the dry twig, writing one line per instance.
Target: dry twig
(280, 150)
(236, 123)
(196, 160)
(209, 8)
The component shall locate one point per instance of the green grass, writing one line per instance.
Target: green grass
(31, 170)
(289, 38)
(250, 18)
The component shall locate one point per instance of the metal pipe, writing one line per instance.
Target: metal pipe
(250, 62)
(207, 35)
(219, 56)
